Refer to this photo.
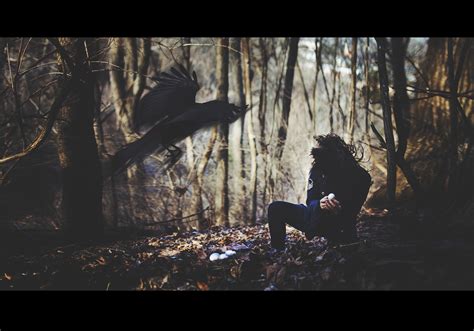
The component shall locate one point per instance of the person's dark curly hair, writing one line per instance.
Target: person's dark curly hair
(334, 153)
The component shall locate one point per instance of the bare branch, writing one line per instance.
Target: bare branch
(41, 138)
(62, 51)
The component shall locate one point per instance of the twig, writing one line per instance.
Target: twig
(177, 219)
(40, 139)
(379, 136)
(62, 51)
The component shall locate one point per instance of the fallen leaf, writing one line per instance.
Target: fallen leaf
(101, 260)
(202, 286)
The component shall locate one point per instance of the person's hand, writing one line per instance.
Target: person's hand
(331, 205)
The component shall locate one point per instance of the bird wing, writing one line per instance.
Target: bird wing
(173, 95)
(197, 117)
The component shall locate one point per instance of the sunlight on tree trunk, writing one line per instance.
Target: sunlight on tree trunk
(236, 150)
(352, 114)
(250, 130)
(222, 172)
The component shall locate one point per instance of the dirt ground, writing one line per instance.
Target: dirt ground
(382, 259)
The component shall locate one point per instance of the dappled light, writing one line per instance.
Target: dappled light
(263, 163)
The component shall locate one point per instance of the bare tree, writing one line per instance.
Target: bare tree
(290, 72)
(3, 43)
(401, 104)
(187, 64)
(236, 149)
(318, 64)
(222, 175)
(352, 114)
(262, 110)
(272, 161)
(77, 147)
(334, 77)
(305, 91)
(367, 94)
(196, 200)
(130, 58)
(387, 120)
(250, 130)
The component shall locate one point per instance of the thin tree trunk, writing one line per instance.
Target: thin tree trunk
(305, 92)
(387, 121)
(401, 102)
(236, 139)
(197, 202)
(287, 91)
(352, 115)
(368, 117)
(317, 51)
(272, 161)
(251, 135)
(197, 206)
(196, 195)
(338, 102)
(3, 60)
(262, 110)
(334, 76)
(127, 85)
(401, 105)
(453, 117)
(222, 175)
(188, 140)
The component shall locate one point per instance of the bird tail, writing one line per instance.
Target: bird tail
(131, 154)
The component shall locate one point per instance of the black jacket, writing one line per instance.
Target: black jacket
(350, 187)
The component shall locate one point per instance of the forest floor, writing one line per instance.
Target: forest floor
(380, 260)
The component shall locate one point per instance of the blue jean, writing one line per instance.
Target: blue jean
(299, 216)
(281, 213)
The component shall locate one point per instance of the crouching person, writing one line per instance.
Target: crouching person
(337, 189)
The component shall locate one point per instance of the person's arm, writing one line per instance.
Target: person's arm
(349, 196)
(312, 192)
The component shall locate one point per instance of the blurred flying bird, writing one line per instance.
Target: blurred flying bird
(167, 115)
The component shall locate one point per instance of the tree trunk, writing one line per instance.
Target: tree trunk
(368, 117)
(222, 172)
(287, 90)
(127, 82)
(262, 110)
(317, 51)
(188, 140)
(190, 157)
(251, 135)
(401, 106)
(77, 148)
(305, 91)
(387, 121)
(3, 43)
(236, 150)
(453, 118)
(334, 76)
(272, 161)
(196, 201)
(352, 115)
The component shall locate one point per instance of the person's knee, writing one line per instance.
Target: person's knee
(274, 209)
